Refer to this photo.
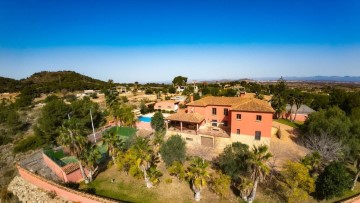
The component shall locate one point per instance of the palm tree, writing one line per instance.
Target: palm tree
(90, 158)
(291, 101)
(299, 100)
(126, 115)
(145, 158)
(114, 143)
(112, 104)
(258, 168)
(198, 175)
(71, 138)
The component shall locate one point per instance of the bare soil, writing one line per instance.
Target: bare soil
(286, 147)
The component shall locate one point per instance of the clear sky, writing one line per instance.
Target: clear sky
(148, 40)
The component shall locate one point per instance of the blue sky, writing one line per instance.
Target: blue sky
(156, 40)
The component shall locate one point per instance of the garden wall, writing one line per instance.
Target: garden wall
(66, 193)
(54, 167)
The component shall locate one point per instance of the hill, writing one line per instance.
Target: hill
(9, 85)
(45, 82)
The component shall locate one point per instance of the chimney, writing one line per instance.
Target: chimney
(191, 97)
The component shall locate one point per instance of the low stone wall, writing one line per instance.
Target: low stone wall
(64, 192)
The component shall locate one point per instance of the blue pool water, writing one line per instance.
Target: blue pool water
(145, 119)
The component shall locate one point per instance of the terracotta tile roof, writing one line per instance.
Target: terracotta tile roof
(255, 105)
(186, 117)
(211, 100)
(69, 168)
(236, 103)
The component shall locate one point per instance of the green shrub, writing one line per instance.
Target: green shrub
(90, 190)
(279, 133)
(333, 181)
(220, 184)
(168, 180)
(94, 95)
(177, 169)
(28, 143)
(173, 149)
(4, 139)
(72, 185)
(70, 97)
(52, 194)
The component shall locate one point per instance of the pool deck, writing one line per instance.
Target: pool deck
(143, 125)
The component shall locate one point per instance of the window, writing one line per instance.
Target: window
(189, 139)
(238, 131)
(238, 116)
(214, 123)
(226, 112)
(159, 107)
(258, 117)
(225, 123)
(214, 111)
(257, 135)
(169, 107)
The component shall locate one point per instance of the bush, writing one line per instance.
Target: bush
(51, 98)
(149, 91)
(177, 169)
(90, 190)
(94, 95)
(220, 184)
(333, 181)
(4, 139)
(72, 185)
(70, 97)
(279, 133)
(28, 143)
(173, 149)
(52, 194)
(168, 180)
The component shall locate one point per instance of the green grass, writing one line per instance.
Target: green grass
(294, 124)
(55, 154)
(122, 191)
(123, 131)
(69, 159)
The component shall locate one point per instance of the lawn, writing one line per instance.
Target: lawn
(55, 154)
(295, 124)
(123, 131)
(127, 188)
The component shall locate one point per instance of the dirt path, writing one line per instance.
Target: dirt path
(285, 148)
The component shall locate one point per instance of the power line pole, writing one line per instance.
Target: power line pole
(92, 124)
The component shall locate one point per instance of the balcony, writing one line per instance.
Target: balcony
(205, 130)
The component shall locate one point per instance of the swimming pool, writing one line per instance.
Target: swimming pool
(145, 119)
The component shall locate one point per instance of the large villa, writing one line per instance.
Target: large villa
(242, 119)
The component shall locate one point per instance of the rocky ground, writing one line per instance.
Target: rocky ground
(29, 193)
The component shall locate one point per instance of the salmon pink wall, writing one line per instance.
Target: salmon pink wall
(299, 117)
(165, 105)
(62, 191)
(72, 177)
(54, 167)
(207, 112)
(75, 176)
(248, 123)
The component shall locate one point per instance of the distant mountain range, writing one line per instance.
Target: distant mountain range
(316, 78)
(342, 79)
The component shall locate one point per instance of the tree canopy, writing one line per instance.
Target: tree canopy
(157, 121)
(333, 181)
(179, 80)
(173, 149)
